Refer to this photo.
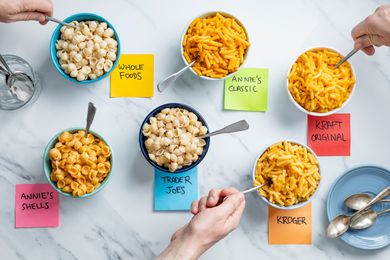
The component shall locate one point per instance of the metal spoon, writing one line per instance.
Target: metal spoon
(52, 19)
(248, 190)
(90, 117)
(349, 55)
(340, 224)
(163, 85)
(19, 83)
(366, 219)
(235, 127)
(359, 201)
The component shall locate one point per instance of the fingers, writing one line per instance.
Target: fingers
(360, 30)
(228, 191)
(230, 205)
(194, 207)
(27, 16)
(213, 198)
(370, 50)
(202, 204)
(368, 40)
(41, 6)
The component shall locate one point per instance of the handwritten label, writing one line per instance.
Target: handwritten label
(290, 226)
(330, 135)
(36, 205)
(134, 76)
(247, 90)
(175, 191)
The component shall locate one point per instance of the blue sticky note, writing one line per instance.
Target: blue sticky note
(175, 191)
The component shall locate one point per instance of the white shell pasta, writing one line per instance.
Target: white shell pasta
(88, 51)
(172, 139)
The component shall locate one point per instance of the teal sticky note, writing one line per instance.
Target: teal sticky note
(247, 90)
(175, 191)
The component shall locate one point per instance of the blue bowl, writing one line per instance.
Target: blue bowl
(47, 163)
(142, 138)
(56, 35)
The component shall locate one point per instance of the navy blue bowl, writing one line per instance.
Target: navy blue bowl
(56, 35)
(142, 138)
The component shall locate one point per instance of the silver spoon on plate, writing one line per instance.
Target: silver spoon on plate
(359, 201)
(366, 219)
(340, 224)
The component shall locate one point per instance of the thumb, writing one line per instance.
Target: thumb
(230, 205)
(28, 16)
(368, 40)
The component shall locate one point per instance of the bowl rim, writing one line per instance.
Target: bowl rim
(144, 150)
(318, 113)
(55, 37)
(204, 15)
(47, 166)
(295, 206)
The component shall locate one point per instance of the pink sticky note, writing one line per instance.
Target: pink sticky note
(36, 205)
(330, 135)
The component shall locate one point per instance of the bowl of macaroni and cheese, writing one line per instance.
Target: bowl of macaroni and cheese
(169, 138)
(88, 53)
(291, 173)
(315, 86)
(78, 166)
(219, 44)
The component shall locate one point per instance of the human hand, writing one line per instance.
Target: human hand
(24, 10)
(374, 30)
(213, 219)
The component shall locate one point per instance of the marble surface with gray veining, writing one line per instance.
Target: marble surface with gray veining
(119, 222)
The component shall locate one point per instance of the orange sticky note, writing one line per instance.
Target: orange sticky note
(36, 205)
(133, 77)
(289, 226)
(330, 135)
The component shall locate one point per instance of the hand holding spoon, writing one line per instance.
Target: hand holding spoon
(366, 219)
(340, 224)
(359, 201)
(235, 127)
(90, 117)
(163, 85)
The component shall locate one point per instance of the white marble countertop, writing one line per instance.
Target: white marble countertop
(119, 222)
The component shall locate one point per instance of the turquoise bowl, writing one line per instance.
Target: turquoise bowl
(47, 164)
(56, 35)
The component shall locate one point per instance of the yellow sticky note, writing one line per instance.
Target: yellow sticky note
(134, 76)
(290, 226)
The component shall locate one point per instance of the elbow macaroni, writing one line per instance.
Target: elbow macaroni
(79, 164)
(172, 139)
(290, 171)
(217, 43)
(316, 85)
(88, 51)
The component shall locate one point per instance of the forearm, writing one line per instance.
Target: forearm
(181, 248)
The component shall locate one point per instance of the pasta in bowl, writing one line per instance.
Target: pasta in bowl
(169, 140)
(291, 173)
(315, 86)
(87, 53)
(219, 44)
(76, 166)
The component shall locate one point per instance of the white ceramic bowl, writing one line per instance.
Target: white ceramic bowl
(295, 206)
(204, 16)
(316, 113)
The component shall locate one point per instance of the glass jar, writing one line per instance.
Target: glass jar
(8, 101)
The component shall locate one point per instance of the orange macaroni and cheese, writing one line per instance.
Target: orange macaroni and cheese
(316, 85)
(217, 43)
(290, 171)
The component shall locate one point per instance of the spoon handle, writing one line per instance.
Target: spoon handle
(253, 189)
(164, 84)
(384, 193)
(235, 127)
(52, 19)
(90, 117)
(383, 211)
(5, 64)
(349, 55)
